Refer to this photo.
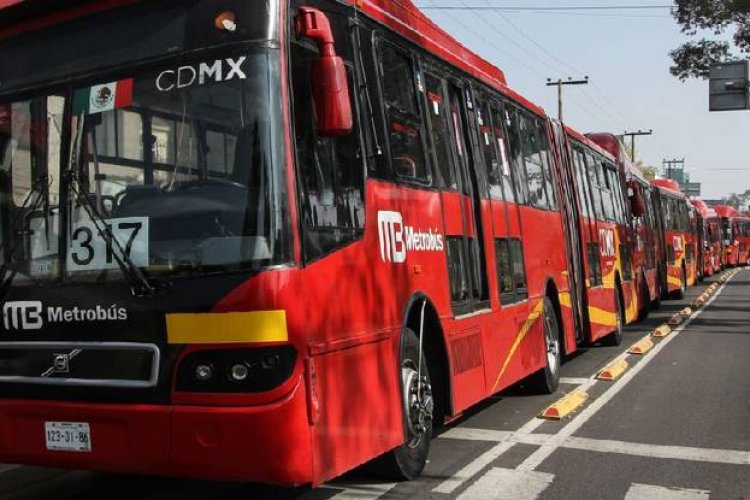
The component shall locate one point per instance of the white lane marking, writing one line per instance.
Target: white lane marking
(647, 450)
(361, 491)
(710, 455)
(649, 492)
(475, 466)
(472, 434)
(508, 484)
(540, 455)
(574, 380)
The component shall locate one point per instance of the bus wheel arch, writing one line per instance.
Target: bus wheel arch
(547, 379)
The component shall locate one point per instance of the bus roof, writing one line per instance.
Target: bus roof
(590, 143)
(669, 186)
(726, 211)
(611, 143)
(703, 209)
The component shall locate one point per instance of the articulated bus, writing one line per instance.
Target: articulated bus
(676, 259)
(709, 236)
(643, 240)
(729, 218)
(271, 241)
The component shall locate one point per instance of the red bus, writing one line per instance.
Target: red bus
(226, 245)
(676, 258)
(709, 233)
(642, 241)
(731, 235)
(743, 235)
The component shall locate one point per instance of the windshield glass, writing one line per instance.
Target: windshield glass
(181, 162)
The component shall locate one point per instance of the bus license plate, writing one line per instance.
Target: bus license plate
(67, 436)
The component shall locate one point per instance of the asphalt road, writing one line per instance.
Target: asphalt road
(674, 426)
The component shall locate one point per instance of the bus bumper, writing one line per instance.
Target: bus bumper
(268, 444)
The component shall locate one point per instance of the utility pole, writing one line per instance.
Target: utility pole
(670, 164)
(559, 83)
(632, 136)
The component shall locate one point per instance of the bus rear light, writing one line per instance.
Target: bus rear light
(239, 370)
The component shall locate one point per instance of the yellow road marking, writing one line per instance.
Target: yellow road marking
(565, 405)
(686, 313)
(642, 347)
(613, 371)
(662, 331)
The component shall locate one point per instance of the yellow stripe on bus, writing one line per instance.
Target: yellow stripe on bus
(227, 328)
(602, 317)
(538, 309)
(674, 281)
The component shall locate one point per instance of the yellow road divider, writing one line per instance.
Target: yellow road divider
(613, 370)
(662, 331)
(686, 313)
(565, 405)
(675, 320)
(641, 347)
(697, 303)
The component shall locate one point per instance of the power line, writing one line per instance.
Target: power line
(632, 136)
(551, 9)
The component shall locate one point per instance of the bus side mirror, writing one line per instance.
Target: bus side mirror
(637, 204)
(330, 83)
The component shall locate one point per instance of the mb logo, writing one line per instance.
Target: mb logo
(23, 315)
(391, 236)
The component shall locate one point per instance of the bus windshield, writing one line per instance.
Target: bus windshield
(180, 162)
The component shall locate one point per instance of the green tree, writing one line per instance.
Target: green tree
(739, 201)
(719, 17)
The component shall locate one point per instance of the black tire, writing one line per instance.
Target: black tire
(615, 338)
(407, 461)
(547, 380)
(680, 293)
(656, 303)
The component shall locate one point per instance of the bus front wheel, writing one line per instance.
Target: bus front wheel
(407, 461)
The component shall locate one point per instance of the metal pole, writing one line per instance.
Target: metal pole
(559, 84)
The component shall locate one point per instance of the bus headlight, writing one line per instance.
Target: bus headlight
(236, 370)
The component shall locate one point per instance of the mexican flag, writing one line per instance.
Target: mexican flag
(103, 97)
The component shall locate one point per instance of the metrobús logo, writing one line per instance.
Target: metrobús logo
(32, 315)
(396, 239)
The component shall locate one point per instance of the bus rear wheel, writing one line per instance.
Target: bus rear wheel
(407, 461)
(547, 380)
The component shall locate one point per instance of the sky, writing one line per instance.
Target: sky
(626, 56)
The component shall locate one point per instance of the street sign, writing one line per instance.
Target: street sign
(728, 86)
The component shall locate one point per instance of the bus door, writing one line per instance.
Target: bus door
(466, 249)
(572, 227)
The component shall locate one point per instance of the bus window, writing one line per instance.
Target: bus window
(440, 132)
(402, 113)
(331, 174)
(582, 182)
(549, 183)
(532, 159)
(518, 172)
(488, 145)
(604, 184)
(505, 179)
(596, 193)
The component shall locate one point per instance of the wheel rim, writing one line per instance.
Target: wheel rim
(418, 403)
(618, 316)
(553, 344)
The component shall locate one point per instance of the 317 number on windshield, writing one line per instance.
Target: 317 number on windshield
(90, 250)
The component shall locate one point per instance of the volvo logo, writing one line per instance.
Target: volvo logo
(22, 315)
(61, 363)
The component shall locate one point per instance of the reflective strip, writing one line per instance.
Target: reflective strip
(674, 281)
(225, 328)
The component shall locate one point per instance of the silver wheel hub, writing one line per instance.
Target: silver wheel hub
(553, 346)
(418, 404)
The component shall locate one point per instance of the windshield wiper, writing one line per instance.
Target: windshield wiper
(140, 286)
(41, 186)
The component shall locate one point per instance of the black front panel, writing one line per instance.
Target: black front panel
(59, 320)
